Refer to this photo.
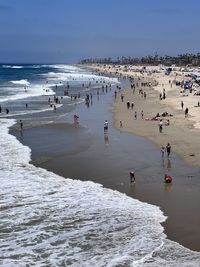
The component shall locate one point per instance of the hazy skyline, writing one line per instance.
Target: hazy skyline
(65, 31)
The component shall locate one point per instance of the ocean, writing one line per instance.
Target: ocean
(48, 220)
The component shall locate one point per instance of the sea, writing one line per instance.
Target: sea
(48, 220)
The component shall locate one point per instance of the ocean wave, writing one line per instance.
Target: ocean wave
(15, 93)
(51, 221)
(64, 67)
(23, 82)
(12, 67)
(62, 76)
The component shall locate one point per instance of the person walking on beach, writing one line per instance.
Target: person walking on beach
(142, 114)
(105, 126)
(182, 104)
(160, 126)
(120, 124)
(168, 149)
(164, 95)
(186, 112)
(132, 105)
(135, 115)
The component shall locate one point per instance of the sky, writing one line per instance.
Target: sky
(66, 31)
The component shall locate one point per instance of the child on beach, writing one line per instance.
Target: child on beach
(162, 151)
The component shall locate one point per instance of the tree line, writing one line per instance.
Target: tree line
(179, 60)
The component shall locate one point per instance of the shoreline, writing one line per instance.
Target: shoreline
(150, 191)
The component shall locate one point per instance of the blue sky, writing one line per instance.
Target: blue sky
(65, 31)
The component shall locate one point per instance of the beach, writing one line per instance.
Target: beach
(182, 133)
(66, 188)
(72, 151)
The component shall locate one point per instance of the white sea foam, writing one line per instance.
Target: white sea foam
(15, 93)
(12, 67)
(20, 113)
(47, 220)
(66, 77)
(66, 68)
(73, 73)
(23, 82)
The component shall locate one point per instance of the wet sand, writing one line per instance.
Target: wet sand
(84, 152)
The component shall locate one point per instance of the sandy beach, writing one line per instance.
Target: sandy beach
(182, 133)
(79, 154)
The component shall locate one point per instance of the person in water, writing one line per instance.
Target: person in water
(105, 126)
(21, 124)
(132, 177)
(168, 178)
(168, 149)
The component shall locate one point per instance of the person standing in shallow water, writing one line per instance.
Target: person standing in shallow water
(132, 177)
(168, 149)
(21, 124)
(162, 151)
(105, 126)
